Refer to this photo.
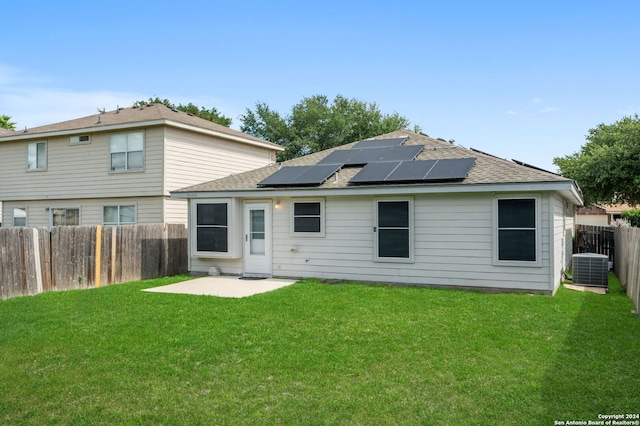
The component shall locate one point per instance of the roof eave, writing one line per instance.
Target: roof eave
(147, 123)
(567, 188)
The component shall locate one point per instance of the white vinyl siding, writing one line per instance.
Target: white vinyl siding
(563, 228)
(453, 245)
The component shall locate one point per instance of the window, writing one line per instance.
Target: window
(517, 229)
(394, 238)
(37, 156)
(65, 217)
(212, 228)
(127, 151)
(119, 215)
(20, 217)
(307, 218)
(77, 140)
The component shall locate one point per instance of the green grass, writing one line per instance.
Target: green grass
(315, 353)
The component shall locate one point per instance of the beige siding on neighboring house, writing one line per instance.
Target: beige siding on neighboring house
(80, 171)
(207, 157)
(175, 211)
(148, 209)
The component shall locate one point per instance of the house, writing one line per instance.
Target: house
(401, 208)
(118, 167)
(3, 132)
(604, 215)
(592, 215)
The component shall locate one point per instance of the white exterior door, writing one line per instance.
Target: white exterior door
(257, 239)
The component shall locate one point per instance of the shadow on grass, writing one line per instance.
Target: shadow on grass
(596, 371)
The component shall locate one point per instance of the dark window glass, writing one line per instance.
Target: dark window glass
(212, 239)
(212, 228)
(212, 214)
(517, 230)
(306, 217)
(306, 224)
(393, 214)
(393, 243)
(518, 213)
(393, 229)
(306, 209)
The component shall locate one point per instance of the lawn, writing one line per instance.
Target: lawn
(316, 353)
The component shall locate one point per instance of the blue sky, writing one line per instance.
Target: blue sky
(521, 80)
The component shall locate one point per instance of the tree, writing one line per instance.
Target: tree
(208, 114)
(315, 124)
(6, 123)
(607, 167)
(632, 217)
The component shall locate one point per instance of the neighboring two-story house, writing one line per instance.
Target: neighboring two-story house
(118, 167)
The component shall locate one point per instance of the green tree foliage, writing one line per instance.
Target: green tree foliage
(632, 216)
(6, 123)
(607, 167)
(211, 114)
(315, 124)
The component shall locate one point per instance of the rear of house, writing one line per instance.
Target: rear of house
(501, 226)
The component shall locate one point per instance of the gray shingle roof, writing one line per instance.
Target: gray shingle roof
(131, 115)
(488, 169)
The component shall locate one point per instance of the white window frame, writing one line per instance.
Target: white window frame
(51, 211)
(321, 216)
(36, 168)
(538, 230)
(119, 222)
(127, 152)
(376, 229)
(26, 217)
(233, 230)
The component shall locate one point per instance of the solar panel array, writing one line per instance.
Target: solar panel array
(450, 169)
(300, 175)
(362, 156)
(384, 160)
(380, 143)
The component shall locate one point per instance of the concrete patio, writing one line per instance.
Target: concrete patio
(223, 286)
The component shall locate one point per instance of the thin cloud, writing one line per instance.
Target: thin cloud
(548, 109)
(536, 100)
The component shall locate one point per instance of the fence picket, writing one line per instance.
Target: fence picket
(67, 256)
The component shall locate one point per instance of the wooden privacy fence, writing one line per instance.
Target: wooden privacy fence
(595, 239)
(34, 260)
(627, 261)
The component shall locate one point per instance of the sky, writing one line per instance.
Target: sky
(522, 80)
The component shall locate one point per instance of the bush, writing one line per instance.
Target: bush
(633, 217)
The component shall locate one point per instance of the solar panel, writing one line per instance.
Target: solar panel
(375, 172)
(300, 175)
(358, 157)
(415, 171)
(411, 171)
(451, 169)
(380, 143)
